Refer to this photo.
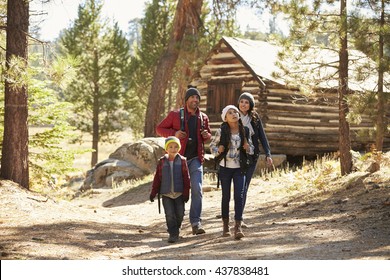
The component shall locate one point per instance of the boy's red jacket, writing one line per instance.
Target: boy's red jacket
(185, 174)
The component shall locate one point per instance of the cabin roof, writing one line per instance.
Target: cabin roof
(261, 59)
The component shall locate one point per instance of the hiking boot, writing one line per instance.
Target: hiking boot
(226, 229)
(238, 234)
(244, 225)
(173, 238)
(197, 230)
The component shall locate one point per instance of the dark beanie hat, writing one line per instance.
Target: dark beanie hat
(249, 97)
(191, 91)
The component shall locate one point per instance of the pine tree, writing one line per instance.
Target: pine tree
(14, 161)
(155, 29)
(370, 29)
(100, 88)
(315, 26)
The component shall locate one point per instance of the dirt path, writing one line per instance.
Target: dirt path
(351, 223)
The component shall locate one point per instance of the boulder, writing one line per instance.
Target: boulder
(144, 153)
(130, 161)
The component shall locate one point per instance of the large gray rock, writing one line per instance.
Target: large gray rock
(144, 153)
(130, 161)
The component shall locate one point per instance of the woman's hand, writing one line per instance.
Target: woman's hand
(269, 161)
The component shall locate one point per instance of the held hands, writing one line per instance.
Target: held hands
(151, 198)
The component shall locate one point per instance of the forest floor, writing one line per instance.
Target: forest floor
(349, 218)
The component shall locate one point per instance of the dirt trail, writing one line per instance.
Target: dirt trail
(351, 223)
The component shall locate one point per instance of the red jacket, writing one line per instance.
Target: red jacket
(159, 177)
(168, 127)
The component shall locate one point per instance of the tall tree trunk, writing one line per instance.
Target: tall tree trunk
(344, 131)
(186, 10)
(380, 121)
(95, 131)
(14, 161)
(96, 110)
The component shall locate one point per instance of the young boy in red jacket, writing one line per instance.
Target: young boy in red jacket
(172, 181)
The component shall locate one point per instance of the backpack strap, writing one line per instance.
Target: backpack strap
(201, 120)
(224, 141)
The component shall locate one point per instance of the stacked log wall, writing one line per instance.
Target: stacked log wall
(295, 125)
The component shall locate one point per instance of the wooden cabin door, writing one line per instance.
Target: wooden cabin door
(221, 95)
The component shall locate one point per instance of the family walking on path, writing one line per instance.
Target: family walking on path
(235, 146)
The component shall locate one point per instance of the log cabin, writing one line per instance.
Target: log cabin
(295, 124)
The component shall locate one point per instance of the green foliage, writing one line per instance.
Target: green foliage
(100, 89)
(47, 156)
(156, 27)
(365, 28)
(369, 25)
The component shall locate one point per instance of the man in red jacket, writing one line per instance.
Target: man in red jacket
(192, 127)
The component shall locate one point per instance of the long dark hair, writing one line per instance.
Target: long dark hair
(225, 132)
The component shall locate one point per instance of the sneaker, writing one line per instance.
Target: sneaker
(197, 230)
(172, 238)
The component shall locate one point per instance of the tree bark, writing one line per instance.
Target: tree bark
(186, 11)
(96, 110)
(14, 161)
(381, 105)
(344, 131)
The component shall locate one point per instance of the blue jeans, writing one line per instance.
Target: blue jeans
(239, 189)
(174, 213)
(196, 176)
(249, 175)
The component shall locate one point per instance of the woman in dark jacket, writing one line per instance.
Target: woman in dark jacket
(251, 119)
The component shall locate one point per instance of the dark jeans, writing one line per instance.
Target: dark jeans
(174, 213)
(227, 175)
(249, 175)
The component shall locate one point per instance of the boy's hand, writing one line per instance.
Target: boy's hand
(151, 198)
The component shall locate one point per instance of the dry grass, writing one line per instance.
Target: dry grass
(323, 176)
